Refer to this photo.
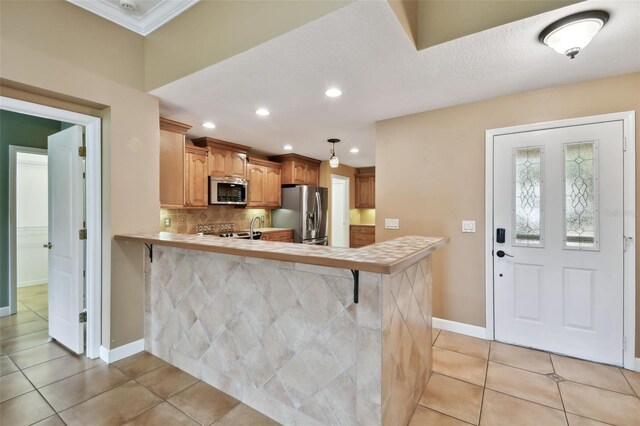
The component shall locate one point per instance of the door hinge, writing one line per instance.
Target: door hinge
(82, 317)
(82, 151)
(83, 234)
(624, 144)
(624, 343)
(627, 242)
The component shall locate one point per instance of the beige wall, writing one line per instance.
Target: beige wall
(432, 177)
(440, 21)
(214, 30)
(59, 49)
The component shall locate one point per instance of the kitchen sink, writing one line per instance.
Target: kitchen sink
(245, 235)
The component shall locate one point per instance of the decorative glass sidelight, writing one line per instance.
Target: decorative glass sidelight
(581, 195)
(528, 191)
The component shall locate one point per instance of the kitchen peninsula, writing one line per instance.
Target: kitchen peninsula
(304, 334)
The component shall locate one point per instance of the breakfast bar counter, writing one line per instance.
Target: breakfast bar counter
(304, 334)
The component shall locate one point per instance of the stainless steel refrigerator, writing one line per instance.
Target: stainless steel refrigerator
(304, 209)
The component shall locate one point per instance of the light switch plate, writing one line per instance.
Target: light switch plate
(392, 224)
(468, 226)
(167, 222)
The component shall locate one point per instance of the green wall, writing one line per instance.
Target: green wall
(22, 130)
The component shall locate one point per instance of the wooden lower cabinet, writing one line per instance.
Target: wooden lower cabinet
(284, 236)
(264, 184)
(361, 235)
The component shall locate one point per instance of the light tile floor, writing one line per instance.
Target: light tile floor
(42, 383)
(474, 382)
(478, 382)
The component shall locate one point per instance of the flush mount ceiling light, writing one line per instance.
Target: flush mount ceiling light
(354, 150)
(263, 112)
(334, 92)
(287, 147)
(333, 161)
(208, 125)
(572, 33)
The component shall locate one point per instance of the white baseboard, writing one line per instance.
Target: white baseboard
(461, 328)
(5, 310)
(638, 364)
(121, 352)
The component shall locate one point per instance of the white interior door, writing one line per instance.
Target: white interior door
(558, 277)
(66, 254)
(339, 211)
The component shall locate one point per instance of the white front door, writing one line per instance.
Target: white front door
(558, 276)
(66, 254)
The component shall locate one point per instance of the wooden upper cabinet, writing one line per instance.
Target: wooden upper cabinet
(264, 184)
(172, 163)
(226, 159)
(298, 170)
(218, 162)
(273, 187)
(237, 165)
(256, 177)
(365, 191)
(196, 177)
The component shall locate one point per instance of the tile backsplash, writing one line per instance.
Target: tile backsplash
(184, 221)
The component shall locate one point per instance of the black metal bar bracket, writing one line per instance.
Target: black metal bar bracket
(150, 247)
(356, 285)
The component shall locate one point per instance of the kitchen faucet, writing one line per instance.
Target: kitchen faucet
(253, 221)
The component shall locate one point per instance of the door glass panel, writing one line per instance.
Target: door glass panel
(528, 211)
(580, 188)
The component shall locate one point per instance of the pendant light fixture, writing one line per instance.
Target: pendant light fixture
(570, 34)
(333, 161)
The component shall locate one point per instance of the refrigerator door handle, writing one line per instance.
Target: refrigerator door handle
(319, 212)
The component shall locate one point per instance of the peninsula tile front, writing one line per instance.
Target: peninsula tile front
(288, 340)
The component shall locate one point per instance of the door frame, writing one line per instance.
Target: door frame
(347, 183)
(93, 166)
(629, 224)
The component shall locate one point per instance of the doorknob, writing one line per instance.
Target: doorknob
(49, 245)
(501, 253)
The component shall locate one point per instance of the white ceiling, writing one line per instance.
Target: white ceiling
(147, 16)
(363, 50)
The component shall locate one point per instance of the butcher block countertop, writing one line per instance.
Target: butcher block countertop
(386, 257)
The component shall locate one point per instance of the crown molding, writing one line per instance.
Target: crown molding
(144, 25)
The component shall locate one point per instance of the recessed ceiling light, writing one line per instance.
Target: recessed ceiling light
(262, 111)
(334, 92)
(208, 125)
(354, 150)
(288, 147)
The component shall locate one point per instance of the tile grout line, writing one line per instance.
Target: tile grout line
(564, 408)
(484, 388)
(629, 383)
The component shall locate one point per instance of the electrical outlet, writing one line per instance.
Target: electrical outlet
(167, 222)
(392, 224)
(468, 226)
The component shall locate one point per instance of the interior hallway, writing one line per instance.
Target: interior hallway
(474, 382)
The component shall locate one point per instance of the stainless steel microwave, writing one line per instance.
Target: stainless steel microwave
(227, 191)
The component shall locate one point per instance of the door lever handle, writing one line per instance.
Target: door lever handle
(48, 246)
(501, 253)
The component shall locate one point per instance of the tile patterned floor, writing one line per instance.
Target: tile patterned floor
(42, 383)
(474, 382)
(479, 382)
